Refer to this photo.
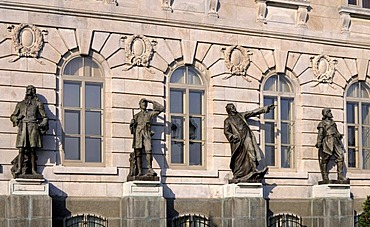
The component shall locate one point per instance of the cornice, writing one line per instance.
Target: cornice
(213, 27)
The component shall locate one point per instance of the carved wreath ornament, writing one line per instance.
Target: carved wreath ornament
(237, 60)
(139, 50)
(323, 68)
(28, 40)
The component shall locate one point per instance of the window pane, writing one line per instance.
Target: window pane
(271, 84)
(352, 2)
(366, 158)
(353, 90)
(270, 155)
(286, 109)
(269, 132)
(93, 150)
(365, 136)
(351, 158)
(177, 152)
(285, 133)
(285, 156)
(176, 101)
(195, 128)
(74, 67)
(351, 136)
(195, 154)
(365, 114)
(351, 112)
(266, 102)
(72, 122)
(193, 77)
(284, 85)
(177, 127)
(195, 102)
(178, 76)
(366, 4)
(93, 96)
(91, 68)
(71, 94)
(93, 123)
(364, 90)
(72, 148)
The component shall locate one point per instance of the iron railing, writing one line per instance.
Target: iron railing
(285, 220)
(86, 220)
(190, 220)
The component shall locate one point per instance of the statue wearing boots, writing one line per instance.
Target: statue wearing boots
(329, 144)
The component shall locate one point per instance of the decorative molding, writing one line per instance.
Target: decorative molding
(302, 15)
(261, 11)
(139, 50)
(28, 40)
(166, 5)
(346, 21)
(213, 8)
(237, 60)
(323, 68)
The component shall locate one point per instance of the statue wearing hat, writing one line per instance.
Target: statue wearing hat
(140, 128)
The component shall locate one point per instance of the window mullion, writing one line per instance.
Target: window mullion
(82, 123)
(186, 126)
(277, 136)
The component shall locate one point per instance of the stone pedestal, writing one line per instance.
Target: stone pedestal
(332, 205)
(28, 203)
(244, 205)
(143, 204)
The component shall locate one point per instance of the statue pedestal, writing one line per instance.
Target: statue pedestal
(244, 205)
(28, 203)
(143, 204)
(331, 191)
(243, 190)
(23, 186)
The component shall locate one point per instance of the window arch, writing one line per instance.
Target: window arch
(358, 125)
(279, 123)
(187, 117)
(82, 109)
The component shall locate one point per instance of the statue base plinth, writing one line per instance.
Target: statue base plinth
(331, 191)
(243, 190)
(30, 176)
(28, 186)
(335, 182)
(142, 188)
(142, 178)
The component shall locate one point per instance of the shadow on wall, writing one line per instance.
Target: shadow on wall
(59, 207)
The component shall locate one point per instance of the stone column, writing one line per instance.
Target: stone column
(332, 205)
(143, 204)
(28, 203)
(243, 205)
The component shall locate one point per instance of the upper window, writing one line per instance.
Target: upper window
(358, 125)
(82, 106)
(360, 3)
(187, 117)
(279, 123)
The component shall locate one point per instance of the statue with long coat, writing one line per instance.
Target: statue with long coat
(245, 153)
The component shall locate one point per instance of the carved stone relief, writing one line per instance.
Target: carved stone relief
(139, 50)
(323, 68)
(302, 15)
(213, 8)
(28, 40)
(346, 21)
(261, 10)
(237, 60)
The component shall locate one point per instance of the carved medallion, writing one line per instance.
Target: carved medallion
(237, 60)
(323, 68)
(28, 40)
(139, 50)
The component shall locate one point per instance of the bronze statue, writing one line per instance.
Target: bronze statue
(140, 127)
(30, 117)
(244, 148)
(329, 144)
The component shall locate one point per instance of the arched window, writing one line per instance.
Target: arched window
(82, 105)
(279, 123)
(358, 125)
(187, 117)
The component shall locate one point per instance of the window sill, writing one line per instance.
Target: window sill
(189, 173)
(85, 170)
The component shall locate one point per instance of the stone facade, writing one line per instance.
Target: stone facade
(269, 37)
